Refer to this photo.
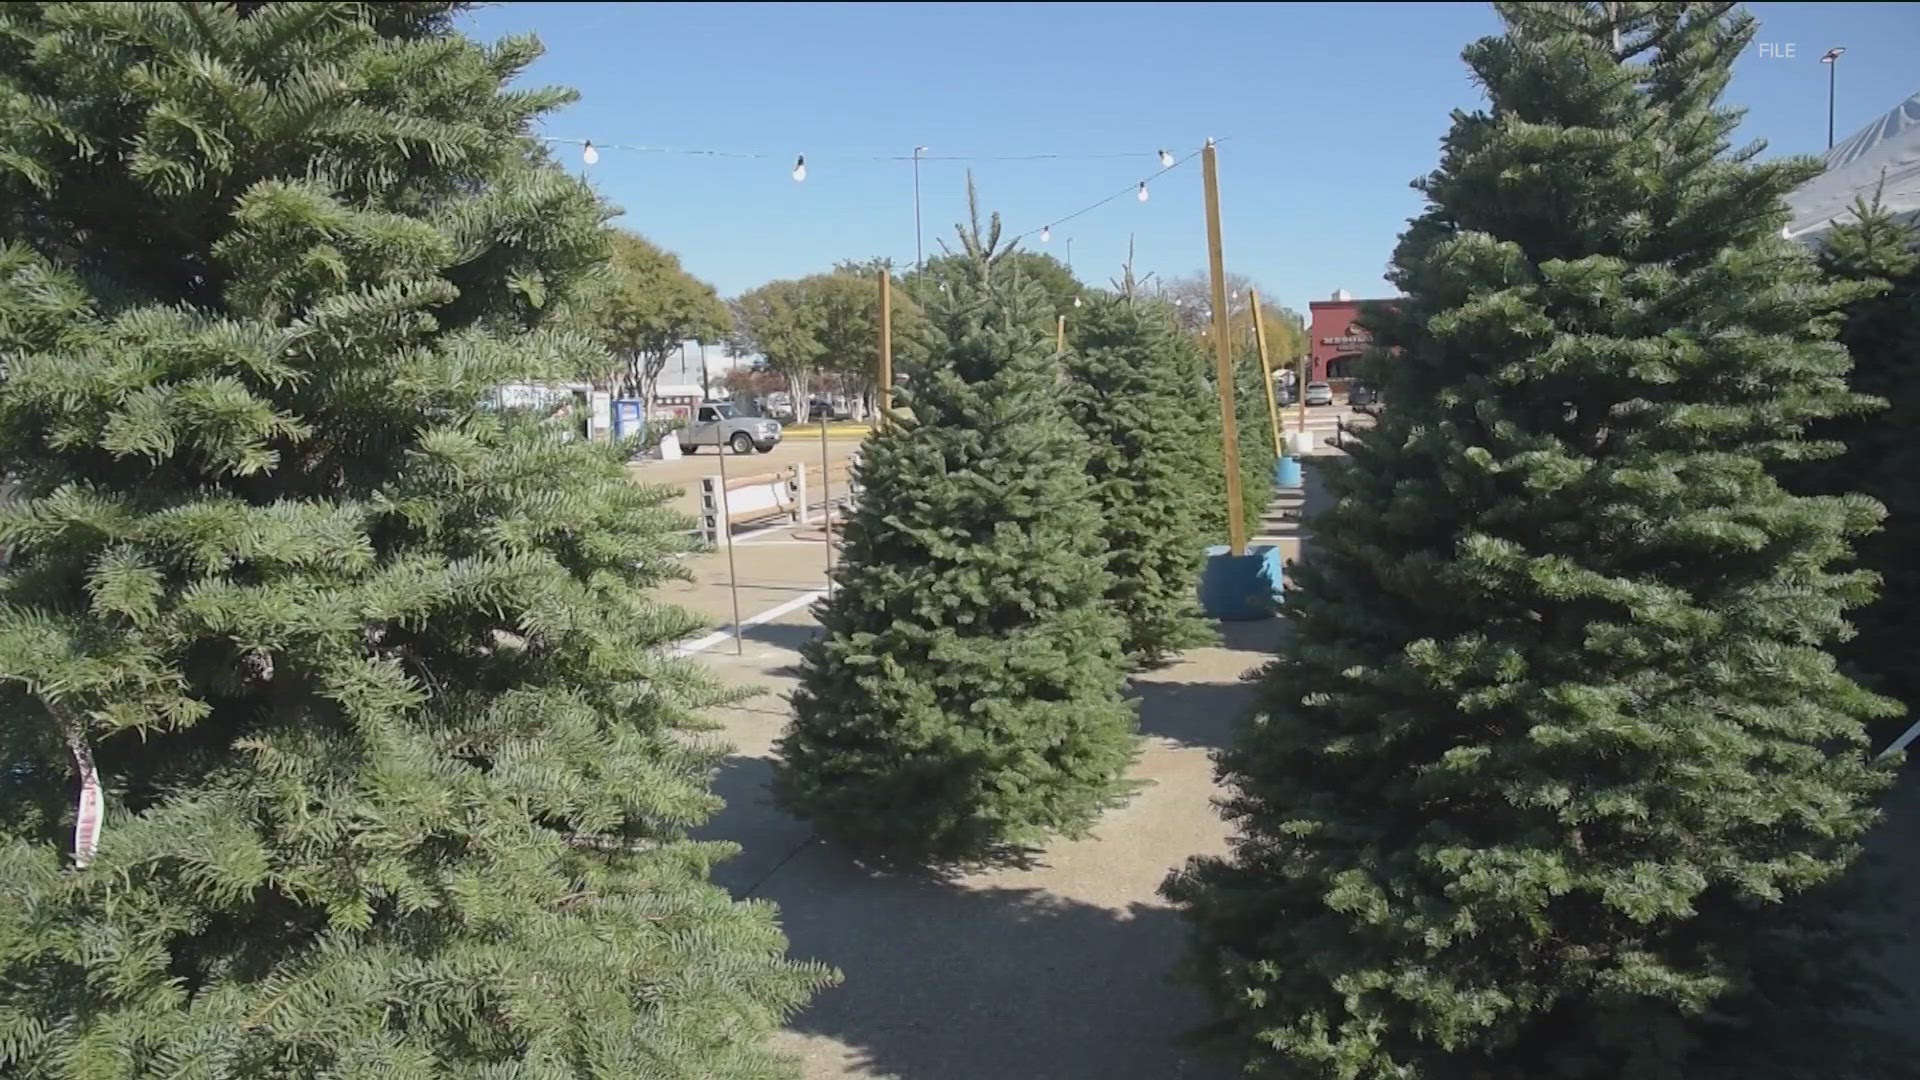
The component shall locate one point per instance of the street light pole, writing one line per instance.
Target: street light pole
(918, 251)
(1832, 59)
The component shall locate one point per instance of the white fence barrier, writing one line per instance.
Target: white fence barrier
(796, 493)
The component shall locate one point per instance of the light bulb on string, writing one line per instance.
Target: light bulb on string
(588, 154)
(1166, 160)
(1046, 233)
(800, 168)
(1142, 193)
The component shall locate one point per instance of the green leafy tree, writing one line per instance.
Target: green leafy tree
(644, 309)
(1552, 772)
(1191, 298)
(1133, 391)
(1882, 456)
(781, 323)
(340, 738)
(825, 325)
(966, 694)
(851, 335)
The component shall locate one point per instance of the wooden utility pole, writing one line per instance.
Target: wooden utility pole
(1300, 385)
(826, 494)
(886, 345)
(725, 532)
(1266, 371)
(1223, 354)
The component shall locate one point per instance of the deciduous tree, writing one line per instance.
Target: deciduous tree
(644, 308)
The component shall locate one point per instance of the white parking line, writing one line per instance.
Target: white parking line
(704, 643)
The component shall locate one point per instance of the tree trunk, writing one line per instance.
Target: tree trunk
(651, 365)
(797, 380)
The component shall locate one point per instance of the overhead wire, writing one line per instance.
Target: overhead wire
(850, 155)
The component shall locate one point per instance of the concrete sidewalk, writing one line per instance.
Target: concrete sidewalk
(1055, 970)
(1061, 970)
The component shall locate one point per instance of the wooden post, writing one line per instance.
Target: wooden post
(886, 345)
(1223, 354)
(826, 494)
(1266, 371)
(726, 530)
(1300, 383)
(1060, 336)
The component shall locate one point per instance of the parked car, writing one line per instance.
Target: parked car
(717, 423)
(1360, 395)
(1319, 393)
(824, 408)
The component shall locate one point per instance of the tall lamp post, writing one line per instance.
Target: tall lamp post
(1831, 58)
(918, 254)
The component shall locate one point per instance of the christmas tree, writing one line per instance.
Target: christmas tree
(966, 694)
(1133, 391)
(1257, 457)
(1254, 431)
(1881, 255)
(341, 741)
(1546, 774)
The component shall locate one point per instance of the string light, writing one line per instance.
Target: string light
(1166, 160)
(800, 168)
(588, 154)
(1046, 233)
(852, 155)
(1139, 190)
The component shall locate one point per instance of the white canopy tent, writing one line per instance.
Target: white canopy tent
(1884, 156)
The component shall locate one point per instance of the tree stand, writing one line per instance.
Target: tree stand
(1241, 588)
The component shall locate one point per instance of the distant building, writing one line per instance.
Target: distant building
(1336, 336)
(673, 401)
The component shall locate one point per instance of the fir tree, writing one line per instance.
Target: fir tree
(1257, 457)
(1254, 441)
(966, 694)
(1882, 457)
(1548, 778)
(1132, 392)
(340, 738)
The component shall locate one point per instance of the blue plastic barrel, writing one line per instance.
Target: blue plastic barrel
(1241, 588)
(1286, 473)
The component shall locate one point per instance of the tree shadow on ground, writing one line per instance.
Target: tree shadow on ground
(1191, 714)
(1893, 851)
(1259, 636)
(950, 981)
(782, 635)
(1203, 713)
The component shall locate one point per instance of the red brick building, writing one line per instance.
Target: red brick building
(1336, 341)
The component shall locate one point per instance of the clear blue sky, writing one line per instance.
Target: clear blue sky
(1326, 111)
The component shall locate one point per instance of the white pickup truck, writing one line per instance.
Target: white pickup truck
(716, 423)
